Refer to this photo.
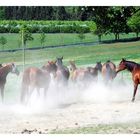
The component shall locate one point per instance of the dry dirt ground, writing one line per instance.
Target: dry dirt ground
(72, 108)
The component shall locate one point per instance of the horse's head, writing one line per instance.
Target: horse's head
(72, 65)
(51, 67)
(98, 66)
(122, 65)
(14, 69)
(59, 61)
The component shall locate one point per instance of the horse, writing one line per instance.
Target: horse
(37, 78)
(98, 66)
(4, 71)
(108, 71)
(94, 70)
(62, 73)
(134, 68)
(79, 74)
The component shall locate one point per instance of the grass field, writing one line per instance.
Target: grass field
(13, 40)
(82, 55)
(126, 128)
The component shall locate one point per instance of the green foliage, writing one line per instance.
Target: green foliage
(25, 35)
(118, 20)
(34, 26)
(3, 41)
(81, 36)
(134, 23)
(42, 38)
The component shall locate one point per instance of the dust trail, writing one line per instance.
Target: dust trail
(93, 93)
(94, 103)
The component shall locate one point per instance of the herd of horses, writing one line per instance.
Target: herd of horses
(34, 78)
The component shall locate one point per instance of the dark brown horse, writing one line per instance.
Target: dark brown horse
(108, 71)
(94, 70)
(62, 74)
(134, 68)
(4, 70)
(36, 78)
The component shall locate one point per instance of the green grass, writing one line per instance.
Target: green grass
(82, 54)
(13, 40)
(130, 128)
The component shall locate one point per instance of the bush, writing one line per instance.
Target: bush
(7, 26)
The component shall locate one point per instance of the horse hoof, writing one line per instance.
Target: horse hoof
(133, 100)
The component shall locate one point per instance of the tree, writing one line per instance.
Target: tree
(3, 41)
(118, 20)
(100, 17)
(42, 38)
(81, 35)
(134, 23)
(99, 32)
(25, 36)
(61, 13)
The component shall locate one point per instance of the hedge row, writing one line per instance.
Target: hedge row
(7, 26)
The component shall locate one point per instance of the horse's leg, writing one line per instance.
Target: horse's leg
(134, 93)
(2, 93)
(45, 90)
(24, 92)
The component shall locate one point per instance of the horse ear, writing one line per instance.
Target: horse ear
(62, 57)
(123, 59)
(13, 64)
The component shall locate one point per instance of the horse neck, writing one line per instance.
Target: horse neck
(73, 67)
(130, 66)
(4, 71)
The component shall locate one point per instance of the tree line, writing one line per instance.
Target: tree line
(108, 19)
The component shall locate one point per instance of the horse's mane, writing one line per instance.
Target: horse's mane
(131, 65)
(132, 62)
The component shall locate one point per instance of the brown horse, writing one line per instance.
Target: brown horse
(36, 78)
(4, 70)
(108, 71)
(134, 68)
(94, 70)
(62, 74)
(78, 74)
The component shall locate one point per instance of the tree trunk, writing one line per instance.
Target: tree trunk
(115, 36)
(137, 34)
(99, 38)
(118, 36)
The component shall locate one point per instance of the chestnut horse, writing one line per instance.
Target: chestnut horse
(80, 74)
(62, 74)
(134, 68)
(36, 78)
(4, 70)
(108, 71)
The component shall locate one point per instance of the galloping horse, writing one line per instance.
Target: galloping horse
(4, 70)
(36, 78)
(78, 74)
(134, 68)
(108, 71)
(94, 70)
(62, 74)
(99, 66)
